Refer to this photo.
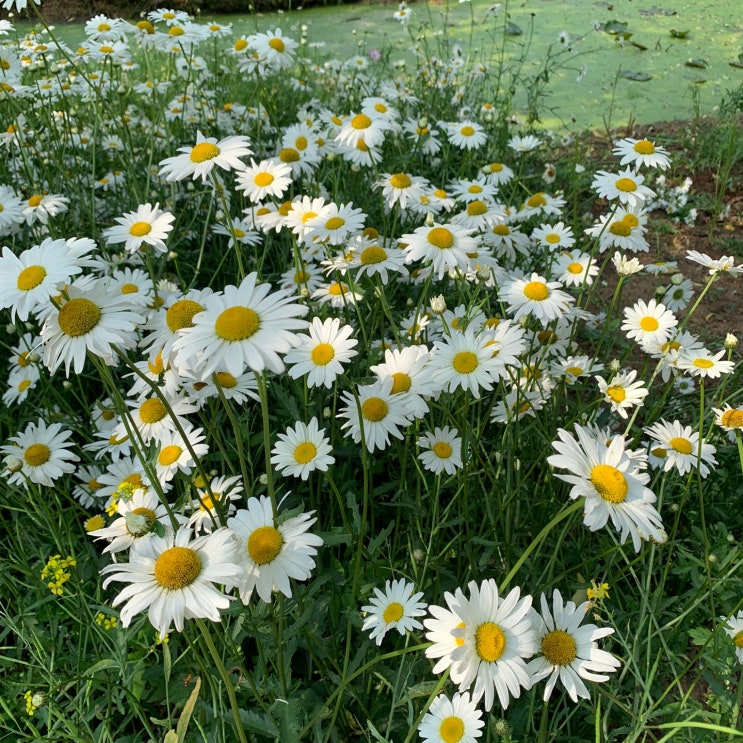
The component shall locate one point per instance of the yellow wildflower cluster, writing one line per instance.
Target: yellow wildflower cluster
(56, 572)
(106, 621)
(598, 591)
(34, 700)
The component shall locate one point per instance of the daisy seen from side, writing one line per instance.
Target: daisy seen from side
(200, 159)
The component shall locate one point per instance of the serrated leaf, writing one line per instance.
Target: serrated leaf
(259, 723)
(639, 77)
(699, 635)
(697, 63)
(512, 29)
(615, 27)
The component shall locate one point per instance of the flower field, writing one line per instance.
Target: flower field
(325, 416)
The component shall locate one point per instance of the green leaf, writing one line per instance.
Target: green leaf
(259, 723)
(679, 34)
(615, 27)
(639, 77)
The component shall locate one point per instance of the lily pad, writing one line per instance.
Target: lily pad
(639, 77)
(697, 63)
(680, 34)
(615, 27)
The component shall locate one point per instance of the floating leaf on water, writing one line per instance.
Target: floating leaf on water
(679, 34)
(640, 77)
(697, 63)
(513, 29)
(615, 27)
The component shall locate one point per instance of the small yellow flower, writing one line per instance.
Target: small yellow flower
(56, 568)
(598, 591)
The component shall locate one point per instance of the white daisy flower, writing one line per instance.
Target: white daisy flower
(467, 135)
(626, 186)
(525, 143)
(622, 392)
(267, 178)
(174, 453)
(554, 236)
(243, 327)
(445, 245)
(31, 278)
(681, 448)
(148, 225)
(215, 503)
(302, 449)
(569, 651)
(321, 355)
(394, 608)
(574, 268)
(648, 323)
(174, 578)
(734, 629)
(465, 360)
(39, 453)
(273, 551)
(440, 628)
(275, 48)
(399, 188)
(452, 721)
(497, 637)
(153, 416)
(199, 160)
(639, 152)
(725, 264)
(699, 362)
(411, 374)
(443, 450)
(611, 482)
(377, 415)
(623, 229)
(536, 296)
(337, 294)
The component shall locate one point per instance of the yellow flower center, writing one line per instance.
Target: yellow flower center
(703, 363)
(361, 121)
(441, 238)
(335, 223)
(129, 289)
(176, 31)
(177, 568)
(264, 544)
(204, 151)
(738, 640)
(442, 450)
(501, 229)
(146, 26)
(616, 393)
(575, 268)
(263, 179)
(649, 324)
(732, 418)
(643, 147)
(451, 729)
(30, 278)
(169, 455)
(559, 647)
(630, 219)
(277, 44)
(152, 411)
(659, 452)
(536, 200)
(372, 254)
(180, 314)
(575, 371)
(537, 291)
(300, 143)
(226, 380)
(322, 354)
(476, 208)
(622, 229)
(78, 317)
(307, 216)
(237, 324)
(625, 184)
(465, 362)
(35, 200)
(305, 452)
(336, 289)
(610, 483)
(240, 45)
(400, 382)
(23, 385)
(680, 444)
(36, 455)
(400, 180)
(393, 612)
(466, 131)
(490, 642)
(95, 522)
(374, 409)
(106, 49)
(140, 229)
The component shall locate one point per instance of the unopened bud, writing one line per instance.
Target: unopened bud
(677, 279)
(731, 341)
(13, 464)
(438, 304)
